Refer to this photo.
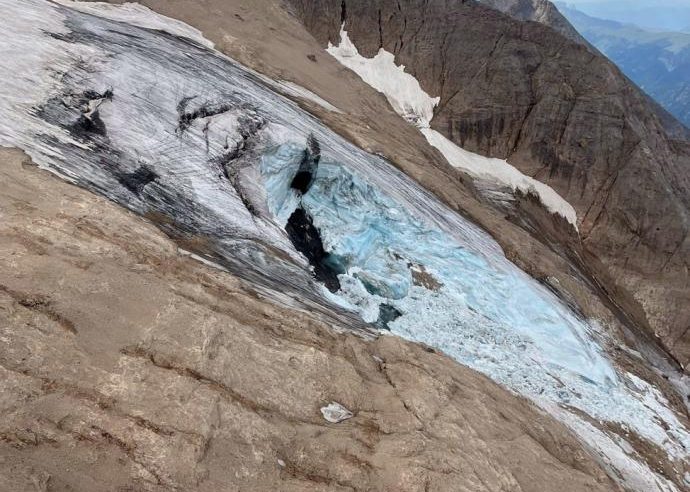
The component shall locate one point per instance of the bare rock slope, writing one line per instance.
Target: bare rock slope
(127, 366)
(542, 11)
(560, 113)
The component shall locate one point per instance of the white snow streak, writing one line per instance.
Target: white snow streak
(138, 15)
(295, 90)
(400, 88)
(500, 170)
(409, 100)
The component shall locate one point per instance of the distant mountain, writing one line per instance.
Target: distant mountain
(659, 62)
(542, 11)
(659, 15)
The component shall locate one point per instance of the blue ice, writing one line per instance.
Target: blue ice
(487, 314)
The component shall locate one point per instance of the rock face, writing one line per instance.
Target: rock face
(659, 62)
(560, 113)
(127, 366)
(542, 11)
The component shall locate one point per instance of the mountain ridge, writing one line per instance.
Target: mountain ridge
(658, 62)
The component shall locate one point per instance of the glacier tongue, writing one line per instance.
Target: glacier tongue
(186, 136)
(475, 305)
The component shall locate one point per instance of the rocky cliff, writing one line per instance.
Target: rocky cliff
(560, 113)
(542, 11)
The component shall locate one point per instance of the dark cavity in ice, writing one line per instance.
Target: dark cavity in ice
(308, 166)
(307, 240)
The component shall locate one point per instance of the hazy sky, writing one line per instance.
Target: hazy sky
(651, 14)
(633, 3)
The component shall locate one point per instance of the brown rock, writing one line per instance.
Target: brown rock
(178, 377)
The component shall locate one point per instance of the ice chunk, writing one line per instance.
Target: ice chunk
(336, 413)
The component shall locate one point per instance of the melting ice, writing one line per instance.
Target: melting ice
(185, 132)
(472, 303)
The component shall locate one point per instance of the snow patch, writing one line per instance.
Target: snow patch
(501, 171)
(402, 89)
(409, 100)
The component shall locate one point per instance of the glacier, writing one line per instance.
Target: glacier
(160, 123)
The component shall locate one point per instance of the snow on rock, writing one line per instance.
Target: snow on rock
(402, 89)
(409, 100)
(500, 170)
(336, 413)
(296, 90)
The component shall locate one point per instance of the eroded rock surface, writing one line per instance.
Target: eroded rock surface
(542, 11)
(126, 365)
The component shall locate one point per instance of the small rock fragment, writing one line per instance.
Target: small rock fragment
(336, 413)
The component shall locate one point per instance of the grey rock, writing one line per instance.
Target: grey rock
(542, 11)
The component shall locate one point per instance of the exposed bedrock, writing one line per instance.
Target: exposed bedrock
(560, 113)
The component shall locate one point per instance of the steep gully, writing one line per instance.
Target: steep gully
(176, 132)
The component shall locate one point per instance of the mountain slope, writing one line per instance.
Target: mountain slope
(561, 114)
(659, 62)
(245, 178)
(126, 365)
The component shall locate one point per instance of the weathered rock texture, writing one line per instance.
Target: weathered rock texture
(560, 113)
(542, 11)
(126, 366)
(545, 12)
